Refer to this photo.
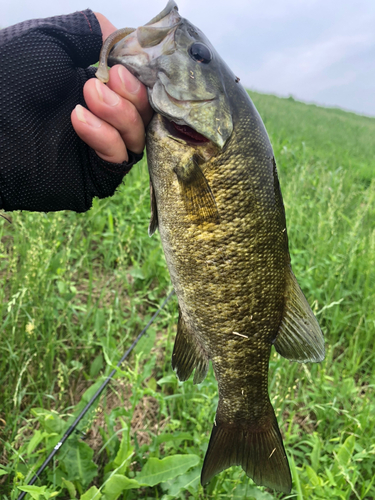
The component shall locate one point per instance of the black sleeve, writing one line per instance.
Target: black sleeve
(44, 165)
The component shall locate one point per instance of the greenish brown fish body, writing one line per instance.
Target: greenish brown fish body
(216, 199)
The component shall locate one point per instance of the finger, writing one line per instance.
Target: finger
(129, 87)
(122, 81)
(105, 25)
(99, 135)
(117, 111)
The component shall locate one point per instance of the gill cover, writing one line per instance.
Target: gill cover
(184, 74)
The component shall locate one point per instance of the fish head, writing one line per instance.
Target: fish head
(183, 73)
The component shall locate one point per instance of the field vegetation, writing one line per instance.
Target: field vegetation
(78, 288)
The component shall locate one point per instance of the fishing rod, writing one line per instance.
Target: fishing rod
(93, 399)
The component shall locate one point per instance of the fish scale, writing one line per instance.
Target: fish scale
(218, 207)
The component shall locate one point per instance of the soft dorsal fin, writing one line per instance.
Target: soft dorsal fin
(300, 337)
(188, 354)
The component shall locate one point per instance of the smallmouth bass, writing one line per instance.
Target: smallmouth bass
(216, 200)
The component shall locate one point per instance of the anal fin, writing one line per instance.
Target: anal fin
(300, 337)
(260, 452)
(188, 354)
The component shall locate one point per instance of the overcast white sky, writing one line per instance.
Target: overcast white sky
(320, 51)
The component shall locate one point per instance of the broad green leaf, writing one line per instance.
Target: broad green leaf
(92, 494)
(315, 452)
(37, 439)
(258, 494)
(295, 477)
(116, 484)
(313, 477)
(158, 471)
(166, 437)
(49, 420)
(146, 343)
(190, 479)
(125, 451)
(137, 273)
(168, 379)
(96, 365)
(151, 384)
(346, 451)
(34, 441)
(3, 472)
(78, 463)
(89, 393)
(246, 491)
(55, 476)
(70, 487)
(331, 477)
(36, 492)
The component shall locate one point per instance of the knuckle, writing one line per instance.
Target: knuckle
(131, 116)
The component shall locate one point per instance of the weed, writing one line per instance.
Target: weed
(78, 288)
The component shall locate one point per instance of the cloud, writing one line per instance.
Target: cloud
(304, 66)
(307, 48)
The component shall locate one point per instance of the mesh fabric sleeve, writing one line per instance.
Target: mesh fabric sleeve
(44, 165)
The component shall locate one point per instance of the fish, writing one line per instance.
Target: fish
(216, 201)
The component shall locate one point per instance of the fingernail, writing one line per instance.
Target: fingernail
(85, 116)
(129, 81)
(106, 95)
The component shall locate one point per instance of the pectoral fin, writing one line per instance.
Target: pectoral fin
(300, 337)
(196, 192)
(188, 354)
(154, 211)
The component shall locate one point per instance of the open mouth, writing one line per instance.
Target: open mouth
(185, 133)
(189, 133)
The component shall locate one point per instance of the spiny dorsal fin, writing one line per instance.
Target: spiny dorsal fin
(154, 211)
(196, 192)
(260, 452)
(188, 354)
(300, 337)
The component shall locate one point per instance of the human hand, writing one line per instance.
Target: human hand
(44, 164)
(118, 112)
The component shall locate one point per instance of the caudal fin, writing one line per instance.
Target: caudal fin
(260, 452)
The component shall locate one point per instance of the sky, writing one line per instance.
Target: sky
(318, 51)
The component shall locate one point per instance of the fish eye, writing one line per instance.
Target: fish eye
(200, 53)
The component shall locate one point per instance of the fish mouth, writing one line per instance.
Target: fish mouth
(184, 132)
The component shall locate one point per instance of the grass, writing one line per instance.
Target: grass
(78, 288)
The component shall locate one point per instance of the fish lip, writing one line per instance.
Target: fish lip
(169, 127)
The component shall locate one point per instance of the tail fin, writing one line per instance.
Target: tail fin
(259, 451)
